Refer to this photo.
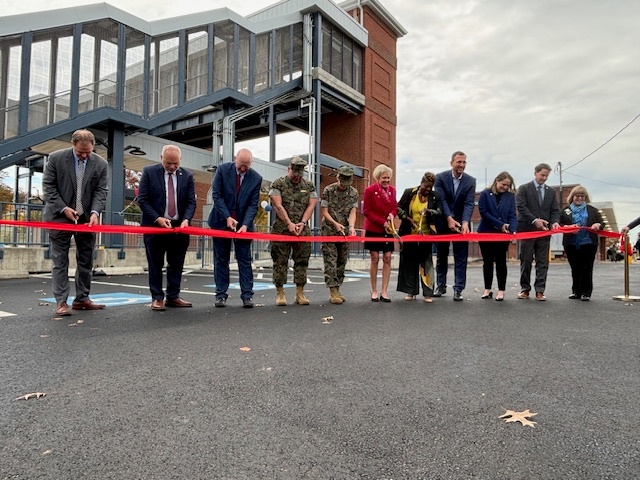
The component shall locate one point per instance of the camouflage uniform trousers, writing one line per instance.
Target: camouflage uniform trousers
(299, 252)
(335, 257)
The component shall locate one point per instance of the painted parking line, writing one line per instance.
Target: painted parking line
(6, 314)
(114, 299)
(257, 286)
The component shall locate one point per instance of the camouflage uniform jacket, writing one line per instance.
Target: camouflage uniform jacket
(339, 202)
(295, 199)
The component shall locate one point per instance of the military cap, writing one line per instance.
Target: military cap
(345, 171)
(297, 163)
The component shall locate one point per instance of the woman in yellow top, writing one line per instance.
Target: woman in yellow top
(418, 208)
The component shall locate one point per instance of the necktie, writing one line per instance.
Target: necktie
(540, 195)
(238, 183)
(171, 197)
(79, 185)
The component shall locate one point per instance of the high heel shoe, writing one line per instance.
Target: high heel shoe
(488, 295)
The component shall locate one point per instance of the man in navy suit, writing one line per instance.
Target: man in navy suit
(167, 197)
(457, 191)
(537, 210)
(236, 194)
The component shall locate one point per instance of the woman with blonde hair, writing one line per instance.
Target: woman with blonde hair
(581, 247)
(380, 208)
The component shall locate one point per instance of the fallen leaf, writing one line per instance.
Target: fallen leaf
(512, 416)
(245, 349)
(327, 320)
(27, 396)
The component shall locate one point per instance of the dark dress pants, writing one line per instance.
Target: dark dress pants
(460, 255)
(581, 262)
(174, 246)
(538, 248)
(222, 256)
(60, 242)
(494, 253)
(413, 255)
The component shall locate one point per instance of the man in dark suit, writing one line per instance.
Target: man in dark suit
(167, 198)
(457, 191)
(75, 191)
(537, 210)
(236, 194)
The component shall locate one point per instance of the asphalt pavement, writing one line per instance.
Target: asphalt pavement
(404, 390)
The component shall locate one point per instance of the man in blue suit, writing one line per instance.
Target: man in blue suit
(457, 191)
(236, 194)
(167, 197)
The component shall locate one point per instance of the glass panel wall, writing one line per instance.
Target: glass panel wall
(107, 35)
(39, 83)
(282, 55)
(197, 70)
(244, 56)
(167, 76)
(12, 86)
(223, 67)
(341, 56)
(263, 63)
(63, 72)
(297, 51)
(134, 72)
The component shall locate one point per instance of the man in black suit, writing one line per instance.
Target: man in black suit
(457, 191)
(167, 198)
(236, 194)
(537, 210)
(75, 191)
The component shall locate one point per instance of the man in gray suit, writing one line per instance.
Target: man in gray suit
(537, 210)
(75, 191)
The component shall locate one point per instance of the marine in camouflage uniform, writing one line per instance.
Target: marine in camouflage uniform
(338, 209)
(294, 199)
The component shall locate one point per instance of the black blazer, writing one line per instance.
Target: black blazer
(593, 216)
(529, 207)
(434, 205)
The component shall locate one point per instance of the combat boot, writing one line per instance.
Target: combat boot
(281, 300)
(334, 296)
(342, 297)
(300, 298)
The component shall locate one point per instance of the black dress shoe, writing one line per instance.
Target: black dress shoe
(439, 292)
(457, 296)
(221, 302)
(385, 299)
(574, 296)
(247, 303)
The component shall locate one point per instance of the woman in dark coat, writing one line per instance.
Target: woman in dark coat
(497, 205)
(418, 209)
(581, 247)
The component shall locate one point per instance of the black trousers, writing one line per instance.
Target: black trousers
(494, 253)
(174, 246)
(581, 262)
(412, 256)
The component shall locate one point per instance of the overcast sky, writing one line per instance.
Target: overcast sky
(510, 82)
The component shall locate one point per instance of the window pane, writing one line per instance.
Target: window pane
(197, 63)
(167, 73)
(223, 56)
(39, 84)
(282, 57)
(63, 77)
(134, 72)
(347, 64)
(297, 50)
(243, 61)
(357, 67)
(326, 46)
(263, 44)
(336, 54)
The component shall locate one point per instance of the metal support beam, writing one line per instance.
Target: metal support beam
(115, 198)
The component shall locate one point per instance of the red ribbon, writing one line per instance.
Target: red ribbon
(272, 237)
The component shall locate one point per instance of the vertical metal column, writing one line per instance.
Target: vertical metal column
(115, 198)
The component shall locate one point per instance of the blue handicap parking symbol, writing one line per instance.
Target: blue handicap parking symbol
(256, 286)
(114, 299)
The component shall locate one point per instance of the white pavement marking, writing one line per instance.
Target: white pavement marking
(126, 285)
(6, 314)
